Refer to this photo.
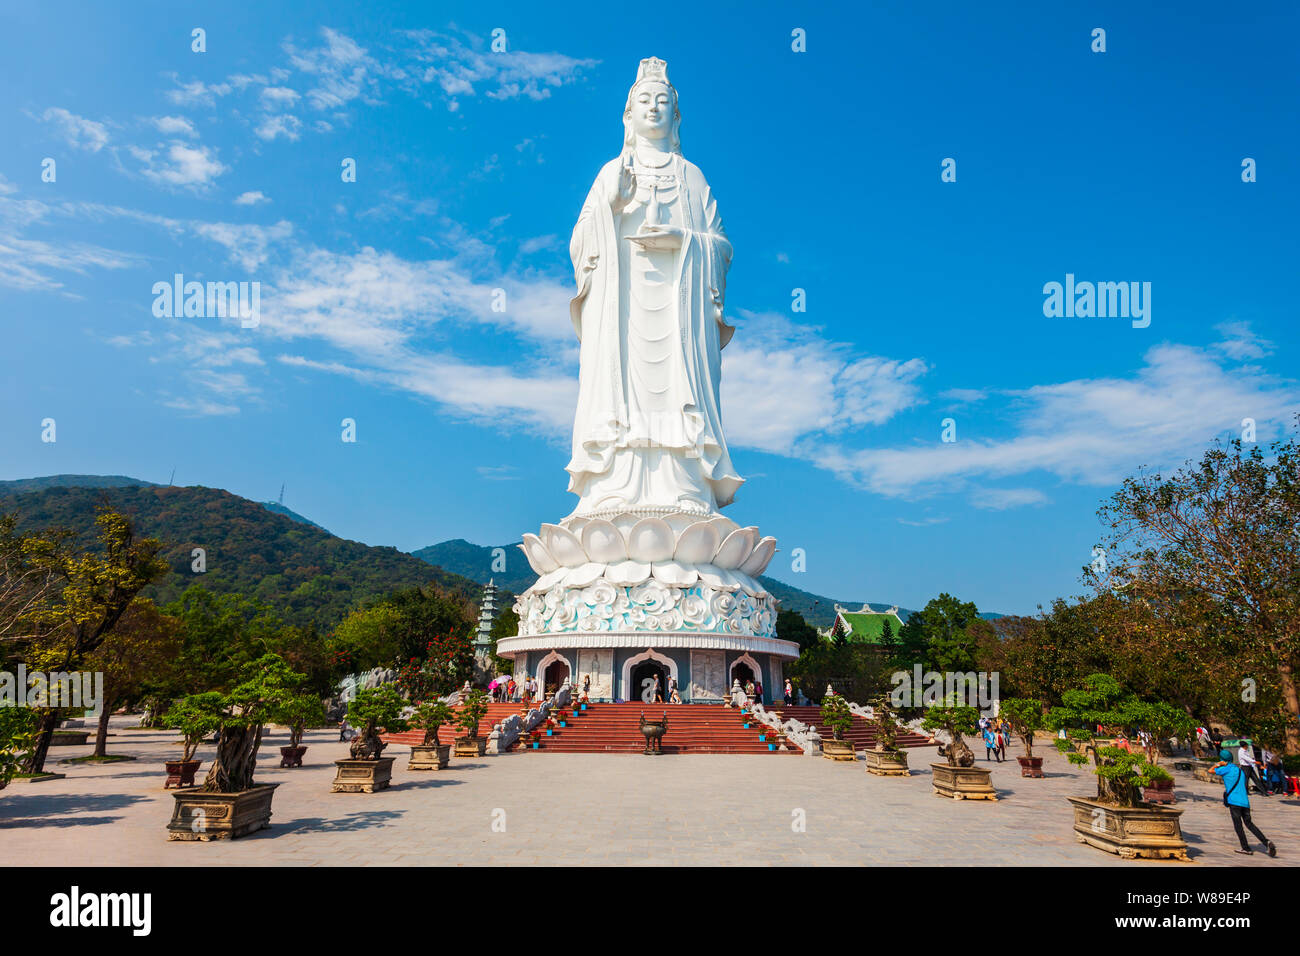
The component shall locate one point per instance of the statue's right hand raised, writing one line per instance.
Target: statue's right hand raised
(621, 196)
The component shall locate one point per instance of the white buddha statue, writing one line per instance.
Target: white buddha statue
(650, 258)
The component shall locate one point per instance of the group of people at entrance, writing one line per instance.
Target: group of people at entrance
(996, 736)
(510, 690)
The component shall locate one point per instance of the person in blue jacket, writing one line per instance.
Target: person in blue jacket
(1237, 801)
(991, 745)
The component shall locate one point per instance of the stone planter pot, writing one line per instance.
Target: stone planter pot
(1147, 833)
(885, 764)
(962, 783)
(838, 749)
(432, 757)
(180, 773)
(1160, 791)
(292, 756)
(471, 746)
(201, 816)
(1031, 766)
(362, 776)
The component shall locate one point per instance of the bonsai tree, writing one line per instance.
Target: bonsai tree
(1162, 721)
(1120, 773)
(429, 717)
(371, 709)
(954, 720)
(298, 714)
(195, 717)
(474, 707)
(887, 726)
(1025, 717)
(18, 728)
(268, 683)
(836, 715)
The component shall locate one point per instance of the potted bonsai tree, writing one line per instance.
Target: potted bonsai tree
(1026, 718)
(195, 717)
(1162, 721)
(1116, 819)
(473, 708)
(298, 714)
(886, 759)
(430, 716)
(230, 803)
(837, 718)
(367, 770)
(958, 778)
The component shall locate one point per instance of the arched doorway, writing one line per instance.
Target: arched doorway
(643, 681)
(745, 669)
(556, 673)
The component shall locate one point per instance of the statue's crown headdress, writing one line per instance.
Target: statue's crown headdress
(653, 68)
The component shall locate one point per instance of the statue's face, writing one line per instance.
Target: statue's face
(652, 110)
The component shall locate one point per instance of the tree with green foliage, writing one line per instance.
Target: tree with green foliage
(18, 729)
(1225, 529)
(791, 626)
(77, 614)
(955, 720)
(943, 637)
(1026, 718)
(430, 716)
(473, 708)
(267, 687)
(398, 629)
(195, 717)
(836, 716)
(371, 709)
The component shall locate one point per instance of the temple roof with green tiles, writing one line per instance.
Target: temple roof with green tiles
(865, 626)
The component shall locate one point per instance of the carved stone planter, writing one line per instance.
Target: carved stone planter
(471, 746)
(292, 756)
(885, 764)
(362, 776)
(201, 816)
(1031, 766)
(432, 757)
(962, 783)
(180, 773)
(838, 749)
(1147, 833)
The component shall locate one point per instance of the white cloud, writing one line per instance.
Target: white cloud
(1000, 499)
(251, 198)
(174, 126)
(77, 131)
(462, 66)
(179, 165)
(781, 381)
(248, 245)
(1241, 343)
(284, 124)
(1088, 431)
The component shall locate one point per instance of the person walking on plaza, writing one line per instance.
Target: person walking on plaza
(1249, 766)
(758, 691)
(1001, 737)
(990, 745)
(789, 692)
(1237, 801)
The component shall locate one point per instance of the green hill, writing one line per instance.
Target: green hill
(309, 574)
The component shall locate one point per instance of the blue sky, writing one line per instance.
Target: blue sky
(924, 298)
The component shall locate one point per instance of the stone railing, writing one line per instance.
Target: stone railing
(867, 712)
(801, 735)
(506, 732)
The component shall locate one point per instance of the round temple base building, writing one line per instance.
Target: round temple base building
(625, 598)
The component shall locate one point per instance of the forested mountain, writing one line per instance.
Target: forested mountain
(310, 575)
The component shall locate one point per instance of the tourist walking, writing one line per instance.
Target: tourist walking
(1144, 738)
(659, 693)
(789, 692)
(586, 686)
(1249, 766)
(1236, 799)
(990, 745)
(1001, 739)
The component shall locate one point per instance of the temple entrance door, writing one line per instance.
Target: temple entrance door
(742, 672)
(643, 681)
(556, 673)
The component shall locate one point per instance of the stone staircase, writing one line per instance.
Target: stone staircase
(862, 733)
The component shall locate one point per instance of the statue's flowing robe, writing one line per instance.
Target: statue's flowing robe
(601, 428)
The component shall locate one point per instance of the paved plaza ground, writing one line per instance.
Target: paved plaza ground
(594, 809)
